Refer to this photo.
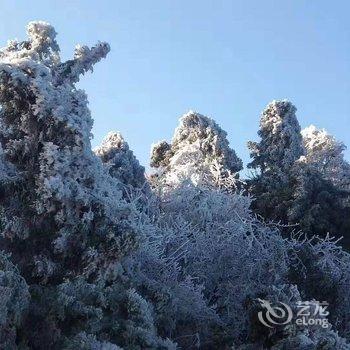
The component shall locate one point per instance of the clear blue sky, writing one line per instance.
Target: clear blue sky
(226, 59)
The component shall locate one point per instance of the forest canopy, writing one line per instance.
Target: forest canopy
(95, 254)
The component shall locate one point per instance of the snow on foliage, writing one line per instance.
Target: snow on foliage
(273, 159)
(218, 242)
(121, 162)
(215, 239)
(61, 203)
(14, 300)
(280, 145)
(94, 257)
(326, 154)
(321, 269)
(199, 152)
(298, 175)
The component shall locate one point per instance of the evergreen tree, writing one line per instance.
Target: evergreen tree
(298, 175)
(92, 258)
(121, 162)
(326, 154)
(273, 158)
(218, 242)
(280, 142)
(14, 301)
(318, 206)
(199, 153)
(62, 214)
(178, 302)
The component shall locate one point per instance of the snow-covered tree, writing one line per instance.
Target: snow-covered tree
(318, 205)
(295, 183)
(121, 162)
(178, 302)
(85, 264)
(321, 269)
(199, 153)
(14, 301)
(280, 142)
(63, 217)
(273, 158)
(216, 240)
(327, 155)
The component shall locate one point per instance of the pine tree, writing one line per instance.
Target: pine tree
(298, 175)
(326, 154)
(178, 302)
(280, 142)
(273, 158)
(318, 206)
(120, 160)
(219, 243)
(63, 217)
(14, 301)
(199, 153)
(85, 264)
